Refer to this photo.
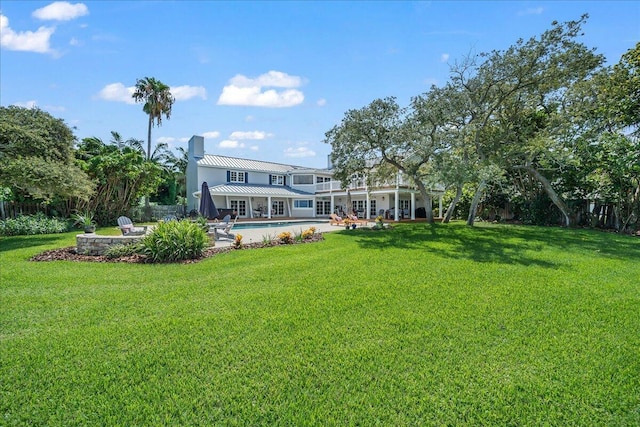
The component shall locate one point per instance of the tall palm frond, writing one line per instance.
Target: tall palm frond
(158, 101)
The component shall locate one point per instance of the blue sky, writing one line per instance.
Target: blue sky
(261, 80)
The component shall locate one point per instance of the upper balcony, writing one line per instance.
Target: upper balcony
(361, 184)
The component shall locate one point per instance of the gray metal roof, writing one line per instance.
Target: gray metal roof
(257, 190)
(236, 163)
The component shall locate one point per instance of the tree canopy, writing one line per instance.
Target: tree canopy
(36, 153)
(542, 117)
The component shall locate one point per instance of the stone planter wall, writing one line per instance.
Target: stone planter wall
(93, 244)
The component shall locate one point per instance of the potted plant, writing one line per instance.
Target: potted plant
(84, 220)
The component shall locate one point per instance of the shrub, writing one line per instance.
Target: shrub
(175, 241)
(32, 224)
(118, 251)
(267, 239)
(237, 241)
(202, 222)
(308, 233)
(285, 237)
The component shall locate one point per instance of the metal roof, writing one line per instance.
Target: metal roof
(257, 190)
(253, 165)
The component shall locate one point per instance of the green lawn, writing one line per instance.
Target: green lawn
(418, 325)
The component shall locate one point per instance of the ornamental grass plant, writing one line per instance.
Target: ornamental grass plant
(420, 324)
(175, 241)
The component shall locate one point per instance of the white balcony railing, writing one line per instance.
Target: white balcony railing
(360, 184)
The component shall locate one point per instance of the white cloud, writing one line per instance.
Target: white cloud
(26, 41)
(242, 90)
(74, 42)
(26, 104)
(531, 11)
(321, 102)
(270, 79)
(254, 148)
(227, 143)
(211, 135)
(238, 135)
(249, 119)
(117, 92)
(182, 93)
(299, 152)
(61, 11)
(444, 57)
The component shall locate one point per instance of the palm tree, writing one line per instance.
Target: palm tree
(157, 100)
(135, 144)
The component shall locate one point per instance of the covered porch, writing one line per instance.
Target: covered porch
(252, 201)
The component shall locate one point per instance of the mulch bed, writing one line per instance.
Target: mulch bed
(70, 254)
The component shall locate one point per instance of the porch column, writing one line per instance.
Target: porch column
(412, 208)
(250, 208)
(368, 216)
(333, 204)
(396, 206)
(440, 214)
(269, 207)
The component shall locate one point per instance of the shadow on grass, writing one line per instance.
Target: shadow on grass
(21, 242)
(499, 244)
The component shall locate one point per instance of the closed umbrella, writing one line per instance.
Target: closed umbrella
(207, 207)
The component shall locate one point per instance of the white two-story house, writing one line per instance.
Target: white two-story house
(255, 188)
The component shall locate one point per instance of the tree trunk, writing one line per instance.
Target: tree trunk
(147, 197)
(452, 205)
(427, 201)
(475, 202)
(555, 197)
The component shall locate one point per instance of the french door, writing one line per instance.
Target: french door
(323, 207)
(239, 206)
(277, 207)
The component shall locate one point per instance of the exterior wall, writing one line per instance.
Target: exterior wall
(304, 212)
(92, 244)
(212, 176)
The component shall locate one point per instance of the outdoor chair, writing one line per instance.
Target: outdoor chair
(220, 224)
(336, 220)
(224, 228)
(128, 229)
(355, 220)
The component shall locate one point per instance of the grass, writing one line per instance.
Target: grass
(418, 325)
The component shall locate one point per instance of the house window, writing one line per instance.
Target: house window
(237, 176)
(372, 209)
(302, 179)
(303, 203)
(405, 204)
(277, 179)
(321, 179)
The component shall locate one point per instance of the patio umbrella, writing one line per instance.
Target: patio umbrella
(207, 207)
